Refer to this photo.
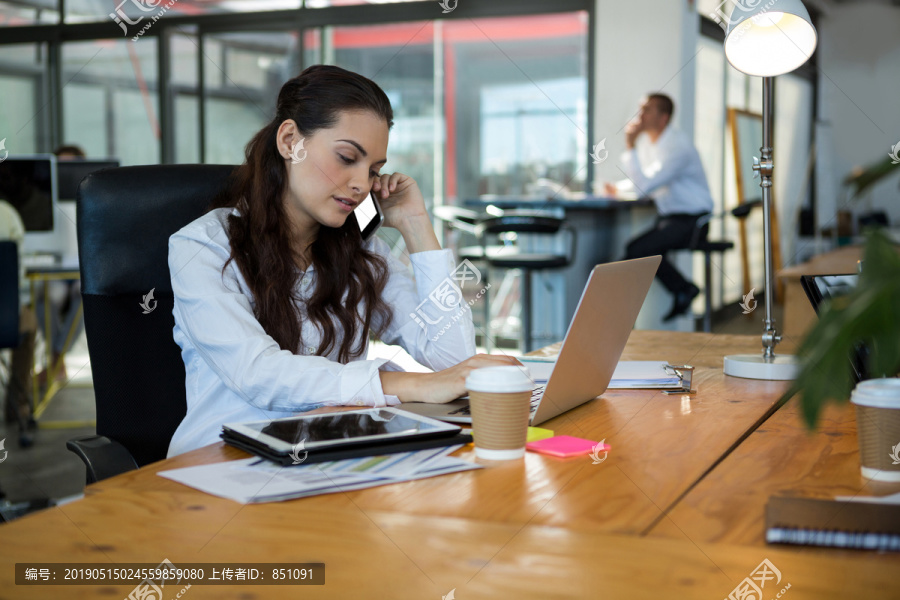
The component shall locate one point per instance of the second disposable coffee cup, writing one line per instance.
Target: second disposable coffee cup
(878, 428)
(500, 401)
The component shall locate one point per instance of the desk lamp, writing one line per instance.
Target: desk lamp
(769, 39)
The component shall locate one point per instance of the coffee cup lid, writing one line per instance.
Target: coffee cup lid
(500, 380)
(877, 393)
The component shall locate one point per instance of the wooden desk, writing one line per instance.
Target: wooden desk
(798, 312)
(536, 528)
(782, 457)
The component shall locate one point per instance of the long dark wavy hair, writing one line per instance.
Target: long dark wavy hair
(349, 278)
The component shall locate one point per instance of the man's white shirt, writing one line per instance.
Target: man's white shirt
(669, 171)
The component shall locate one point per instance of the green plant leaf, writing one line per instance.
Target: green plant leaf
(870, 314)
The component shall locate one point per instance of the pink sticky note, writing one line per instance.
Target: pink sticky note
(565, 446)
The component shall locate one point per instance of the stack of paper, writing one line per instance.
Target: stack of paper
(629, 374)
(642, 374)
(255, 480)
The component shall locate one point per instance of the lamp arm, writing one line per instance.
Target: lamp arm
(765, 168)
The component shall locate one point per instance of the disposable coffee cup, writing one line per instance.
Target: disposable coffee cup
(500, 401)
(878, 428)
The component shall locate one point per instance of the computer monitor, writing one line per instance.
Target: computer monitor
(29, 184)
(69, 174)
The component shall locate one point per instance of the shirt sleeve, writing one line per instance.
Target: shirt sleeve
(213, 312)
(431, 319)
(672, 162)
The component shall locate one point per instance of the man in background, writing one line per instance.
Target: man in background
(65, 301)
(662, 163)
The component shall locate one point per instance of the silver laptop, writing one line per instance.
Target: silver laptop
(603, 320)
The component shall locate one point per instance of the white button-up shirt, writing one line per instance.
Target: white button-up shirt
(669, 171)
(235, 372)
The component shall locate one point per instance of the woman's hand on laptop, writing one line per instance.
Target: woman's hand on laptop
(441, 386)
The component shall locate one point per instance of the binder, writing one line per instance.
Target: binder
(834, 523)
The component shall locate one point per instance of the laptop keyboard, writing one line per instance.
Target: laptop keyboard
(536, 394)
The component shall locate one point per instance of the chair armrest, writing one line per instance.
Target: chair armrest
(102, 456)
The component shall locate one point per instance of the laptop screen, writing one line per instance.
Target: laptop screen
(819, 289)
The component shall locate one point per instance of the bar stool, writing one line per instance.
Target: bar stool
(529, 222)
(700, 243)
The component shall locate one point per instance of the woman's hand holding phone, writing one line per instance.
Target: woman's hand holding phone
(404, 210)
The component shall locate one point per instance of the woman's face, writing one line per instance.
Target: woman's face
(334, 170)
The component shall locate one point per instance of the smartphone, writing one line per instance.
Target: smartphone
(368, 216)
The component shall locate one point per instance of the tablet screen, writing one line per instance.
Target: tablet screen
(346, 425)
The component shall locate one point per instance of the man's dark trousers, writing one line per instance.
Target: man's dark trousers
(669, 232)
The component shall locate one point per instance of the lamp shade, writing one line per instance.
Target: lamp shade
(769, 38)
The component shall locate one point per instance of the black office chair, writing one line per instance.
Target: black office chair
(125, 218)
(529, 222)
(700, 243)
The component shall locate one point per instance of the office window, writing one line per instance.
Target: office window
(135, 14)
(516, 103)
(244, 72)
(327, 3)
(482, 127)
(110, 103)
(400, 58)
(34, 12)
(185, 91)
(23, 124)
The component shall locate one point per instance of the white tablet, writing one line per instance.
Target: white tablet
(340, 429)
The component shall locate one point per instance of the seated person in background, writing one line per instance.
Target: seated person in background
(19, 404)
(275, 291)
(65, 299)
(663, 164)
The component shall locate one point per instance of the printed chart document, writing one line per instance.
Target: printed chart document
(254, 480)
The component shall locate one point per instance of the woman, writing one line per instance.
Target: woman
(275, 292)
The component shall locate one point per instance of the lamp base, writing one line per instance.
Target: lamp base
(783, 367)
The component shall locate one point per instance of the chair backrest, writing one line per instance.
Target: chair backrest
(9, 294)
(124, 219)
